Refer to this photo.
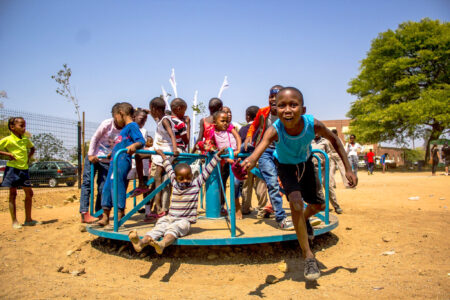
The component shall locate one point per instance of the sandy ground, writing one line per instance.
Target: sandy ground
(378, 217)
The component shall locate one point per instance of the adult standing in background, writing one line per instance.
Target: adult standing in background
(446, 155)
(353, 149)
(336, 161)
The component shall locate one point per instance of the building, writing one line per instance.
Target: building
(343, 129)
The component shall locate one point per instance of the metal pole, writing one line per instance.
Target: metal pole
(232, 204)
(79, 153)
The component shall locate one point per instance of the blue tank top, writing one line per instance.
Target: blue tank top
(294, 149)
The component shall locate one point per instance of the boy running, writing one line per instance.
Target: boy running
(292, 134)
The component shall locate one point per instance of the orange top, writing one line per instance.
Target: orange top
(264, 113)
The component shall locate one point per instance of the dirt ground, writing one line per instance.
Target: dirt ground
(378, 217)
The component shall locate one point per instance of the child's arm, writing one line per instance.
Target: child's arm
(167, 166)
(269, 137)
(322, 130)
(187, 120)
(10, 155)
(200, 130)
(251, 130)
(209, 168)
(168, 128)
(136, 136)
(30, 154)
(238, 141)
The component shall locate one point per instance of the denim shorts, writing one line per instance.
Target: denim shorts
(16, 178)
(302, 178)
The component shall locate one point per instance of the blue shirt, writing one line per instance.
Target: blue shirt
(129, 135)
(294, 149)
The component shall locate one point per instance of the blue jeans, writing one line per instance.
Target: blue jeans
(269, 172)
(102, 170)
(353, 159)
(123, 167)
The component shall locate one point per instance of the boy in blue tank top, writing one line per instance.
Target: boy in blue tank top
(292, 134)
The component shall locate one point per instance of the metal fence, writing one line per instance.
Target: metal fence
(55, 140)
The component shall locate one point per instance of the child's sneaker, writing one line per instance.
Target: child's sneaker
(311, 271)
(286, 224)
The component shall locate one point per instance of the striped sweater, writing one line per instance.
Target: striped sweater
(185, 201)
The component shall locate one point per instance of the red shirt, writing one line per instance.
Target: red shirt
(370, 156)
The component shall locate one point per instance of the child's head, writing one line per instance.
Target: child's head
(352, 138)
(148, 141)
(183, 175)
(157, 107)
(290, 107)
(220, 119)
(228, 111)
(140, 117)
(272, 98)
(120, 111)
(178, 107)
(250, 113)
(215, 104)
(17, 125)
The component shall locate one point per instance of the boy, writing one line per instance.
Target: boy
(164, 140)
(182, 123)
(19, 149)
(102, 143)
(131, 138)
(183, 209)
(370, 160)
(292, 134)
(264, 119)
(252, 181)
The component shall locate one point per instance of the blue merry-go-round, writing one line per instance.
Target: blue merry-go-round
(211, 228)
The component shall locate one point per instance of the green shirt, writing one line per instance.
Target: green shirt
(19, 148)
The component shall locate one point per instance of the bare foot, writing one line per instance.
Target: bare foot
(104, 221)
(16, 225)
(159, 247)
(238, 214)
(138, 245)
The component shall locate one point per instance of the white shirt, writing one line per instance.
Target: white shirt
(352, 150)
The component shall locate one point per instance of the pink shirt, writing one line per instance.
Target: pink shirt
(103, 140)
(225, 139)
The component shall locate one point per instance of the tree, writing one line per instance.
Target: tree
(403, 86)
(48, 147)
(65, 89)
(3, 94)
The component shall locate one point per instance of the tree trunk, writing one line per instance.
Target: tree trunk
(436, 132)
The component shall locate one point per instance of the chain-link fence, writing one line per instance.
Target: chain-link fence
(56, 142)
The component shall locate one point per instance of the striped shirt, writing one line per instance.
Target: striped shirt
(184, 201)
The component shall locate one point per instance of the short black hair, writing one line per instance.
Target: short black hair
(126, 108)
(292, 89)
(251, 112)
(177, 102)
(115, 108)
(215, 104)
(139, 111)
(218, 113)
(182, 166)
(158, 103)
(334, 131)
(352, 135)
(12, 121)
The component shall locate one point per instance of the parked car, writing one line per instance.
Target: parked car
(2, 169)
(53, 173)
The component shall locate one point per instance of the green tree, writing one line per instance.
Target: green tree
(403, 86)
(48, 147)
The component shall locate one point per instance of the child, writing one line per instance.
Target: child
(102, 143)
(183, 209)
(164, 140)
(353, 149)
(131, 138)
(383, 161)
(182, 123)
(371, 161)
(252, 181)
(19, 149)
(225, 136)
(292, 134)
(204, 142)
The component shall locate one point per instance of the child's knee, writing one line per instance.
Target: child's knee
(13, 194)
(318, 207)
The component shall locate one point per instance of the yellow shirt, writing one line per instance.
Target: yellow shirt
(19, 148)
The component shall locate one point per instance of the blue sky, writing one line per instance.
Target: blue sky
(124, 50)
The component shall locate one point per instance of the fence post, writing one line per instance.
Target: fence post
(79, 153)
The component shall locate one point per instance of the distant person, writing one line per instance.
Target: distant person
(435, 157)
(446, 155)
(101, 144)
(264, 120)
(370, 161)
(19, 150)
(336, 161)
(292, 134)
(230, 118)
(183, 207)
(353, 149)
(130, 138)
(383, 161)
